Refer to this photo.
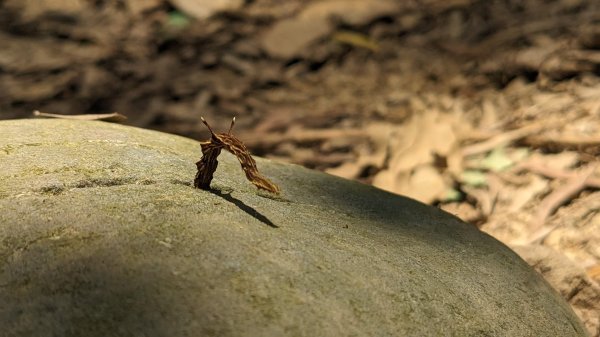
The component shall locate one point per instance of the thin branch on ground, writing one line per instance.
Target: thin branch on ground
(574, 185)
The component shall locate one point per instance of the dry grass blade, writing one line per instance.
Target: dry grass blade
(211, 150)
(111, 117)
(552, 173)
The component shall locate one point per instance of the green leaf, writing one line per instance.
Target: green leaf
(474, 178)
(453, 195)
(355, 39)
(497, 160)
(178, 20)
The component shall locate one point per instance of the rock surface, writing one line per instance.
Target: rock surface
(102, 234)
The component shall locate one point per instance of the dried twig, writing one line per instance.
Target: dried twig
(574, 185)
(501, 139)
(563, 141)
(111, 117)
(552, 173)
(211, 150)
(306, 136)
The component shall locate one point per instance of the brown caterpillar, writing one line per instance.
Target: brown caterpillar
(211, 150)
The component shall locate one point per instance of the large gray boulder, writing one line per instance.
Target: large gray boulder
(102, 234)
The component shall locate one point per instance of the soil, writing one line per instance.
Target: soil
(488, 109)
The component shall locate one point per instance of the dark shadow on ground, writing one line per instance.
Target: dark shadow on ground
(248, 209)
(90, 291)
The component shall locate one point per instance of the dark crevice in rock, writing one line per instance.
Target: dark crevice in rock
(104, 182)
(56, 189)
(52, 189)
(146, 182)
(181, 182)
(10, 148)
(59, 188)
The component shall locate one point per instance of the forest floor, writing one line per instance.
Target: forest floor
(487, 109)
